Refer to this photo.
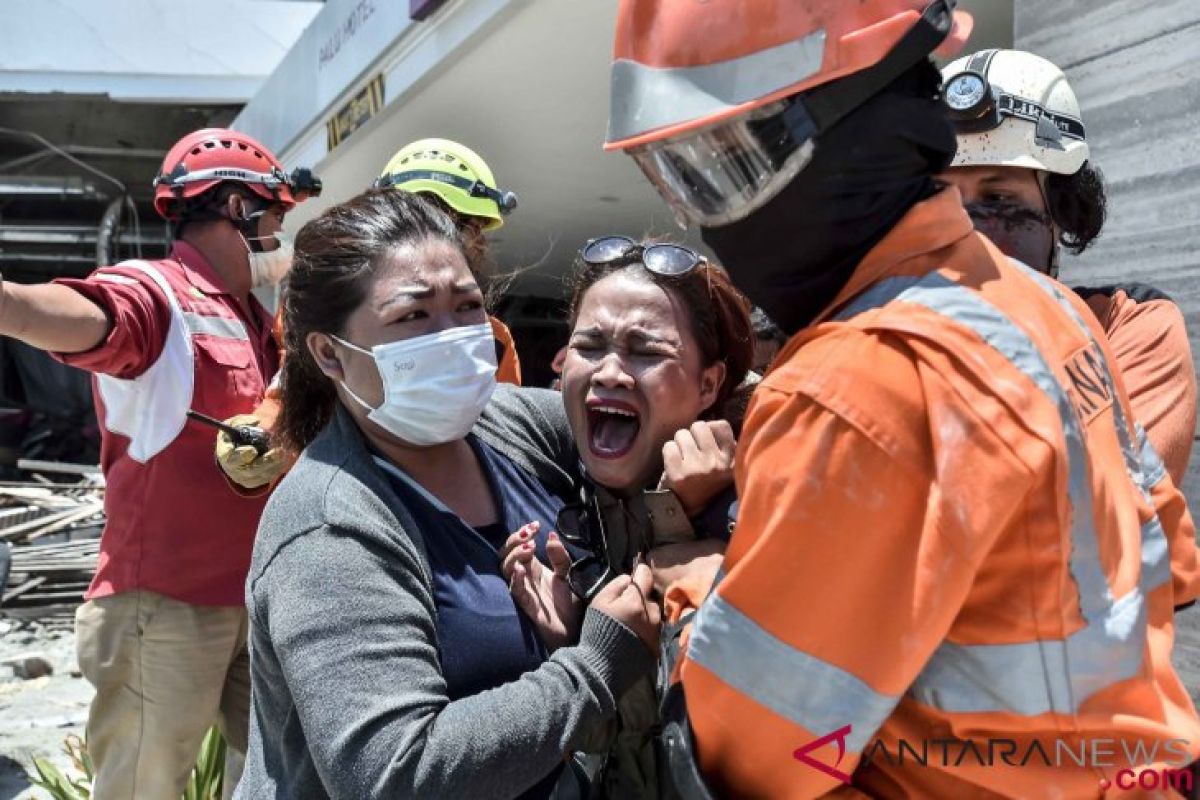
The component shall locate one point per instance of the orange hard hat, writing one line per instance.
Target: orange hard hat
(206, 158)
(720, 101)
(679, 65)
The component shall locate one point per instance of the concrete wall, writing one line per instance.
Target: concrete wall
(1133, 66)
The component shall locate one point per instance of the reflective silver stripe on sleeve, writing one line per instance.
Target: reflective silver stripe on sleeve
(648, 98)
(1156, 553)
(1156, 556)
(223, 327)
(109, 277)
(1047, 675)
(1153, 468)
(1032, 678)
(799, 687)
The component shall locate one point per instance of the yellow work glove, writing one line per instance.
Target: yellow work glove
(243, 464)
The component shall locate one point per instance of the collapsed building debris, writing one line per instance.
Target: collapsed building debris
(49, 543)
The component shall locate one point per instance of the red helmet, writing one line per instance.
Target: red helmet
(208, 157)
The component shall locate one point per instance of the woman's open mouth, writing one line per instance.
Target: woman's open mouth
(613, 427)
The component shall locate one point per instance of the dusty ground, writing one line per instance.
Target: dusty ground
(36, 715)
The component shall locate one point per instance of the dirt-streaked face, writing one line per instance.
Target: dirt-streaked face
(984, 184)
(1006, 204)
(632, 377)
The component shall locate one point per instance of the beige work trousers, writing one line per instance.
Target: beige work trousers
(164, 672)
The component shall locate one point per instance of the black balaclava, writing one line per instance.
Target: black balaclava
(792, 256)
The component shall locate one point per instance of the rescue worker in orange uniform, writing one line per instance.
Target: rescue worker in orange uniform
(458, 181)
(945, 530)
(1023, 170)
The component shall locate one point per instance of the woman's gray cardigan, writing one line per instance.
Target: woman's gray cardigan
(348, 696)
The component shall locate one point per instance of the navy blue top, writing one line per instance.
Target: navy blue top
(484, 640)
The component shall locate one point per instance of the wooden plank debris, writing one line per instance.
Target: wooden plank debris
(52, 530)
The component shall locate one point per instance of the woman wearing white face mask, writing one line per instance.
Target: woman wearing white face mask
(389, 659)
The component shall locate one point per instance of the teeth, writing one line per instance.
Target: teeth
(620, 412)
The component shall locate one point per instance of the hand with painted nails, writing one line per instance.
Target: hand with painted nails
(542, 591)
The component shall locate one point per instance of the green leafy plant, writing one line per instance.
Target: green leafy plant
(59, 785)
(205, 782)
(209, 773)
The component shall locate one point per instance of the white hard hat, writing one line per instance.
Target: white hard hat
(1014, 109)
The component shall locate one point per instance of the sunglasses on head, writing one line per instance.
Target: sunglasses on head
(670, 260)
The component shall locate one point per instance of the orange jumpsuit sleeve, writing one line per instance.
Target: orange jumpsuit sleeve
(1150, 342)
(859, 535)
(1178, 527)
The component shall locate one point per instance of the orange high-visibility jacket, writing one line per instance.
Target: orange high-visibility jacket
(946, 532)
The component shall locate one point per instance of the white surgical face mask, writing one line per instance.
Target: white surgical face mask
(434, 386)
(269, 267)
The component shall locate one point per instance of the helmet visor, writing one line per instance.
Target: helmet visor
(721, 174)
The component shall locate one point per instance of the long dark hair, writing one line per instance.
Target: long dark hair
(336, 255)
(718, 313)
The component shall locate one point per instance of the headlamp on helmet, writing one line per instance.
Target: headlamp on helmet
(304, 184)
(976, 105)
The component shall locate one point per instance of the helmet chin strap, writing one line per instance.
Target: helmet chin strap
(1052, 260)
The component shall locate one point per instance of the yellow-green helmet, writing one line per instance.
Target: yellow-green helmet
(453, 172)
